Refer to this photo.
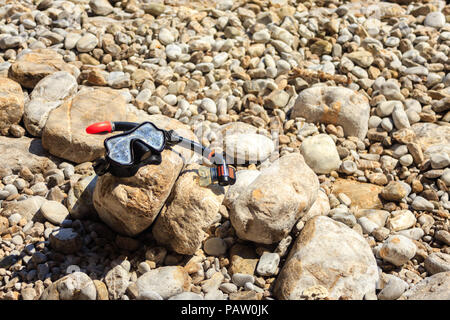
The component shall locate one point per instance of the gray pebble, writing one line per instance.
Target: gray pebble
(348, 167)
(215, 246)
(421, 203)
(440, 160)
(400, 118)
(11, 189)
(149, 295)
(268, 264)
(240, 279)
(187, 296)
(17, 240)
(39, 257)
(209, 105)
(435, 19)
(393, 289)
(14, 219)
(406, 160)
(443, 236)
(228, 287)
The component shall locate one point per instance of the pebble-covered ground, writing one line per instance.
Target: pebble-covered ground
(335, 113)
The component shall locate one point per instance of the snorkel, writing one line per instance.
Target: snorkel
(142, 144)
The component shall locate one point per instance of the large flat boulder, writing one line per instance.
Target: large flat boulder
(28, 208)
(436, 287)
(64, 134)
(16, 153)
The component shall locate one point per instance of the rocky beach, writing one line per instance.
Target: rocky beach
(335, 114)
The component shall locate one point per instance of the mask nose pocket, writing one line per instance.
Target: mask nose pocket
(143, 153)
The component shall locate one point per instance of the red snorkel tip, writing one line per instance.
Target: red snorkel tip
(99, 127)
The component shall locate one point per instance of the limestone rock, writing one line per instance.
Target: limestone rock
(248, 147)
(190, 211)
(394, 191)
(334, 105)
(4, 224)
(432, 138)
(64, 134)
(101, 7)
(243, 259)
(47, 95)
(413, 233)
(393, 288)
(435, 20)
(117, 281)
(153, 8)
(320, 153)
(268, 264)
(166, 281)
(268, 209)
(187, 296)
(321, 207)
(54, 211)
(79, 199)
(401, 220)
(243, 179)
(398, 250)
(66, 240)
(437, 262)
(28, 293)
(75, 286)
(436, 287)
(238, 127)
(28, 208)
(363, 195)
(212, 284)
(11, 103)
(130, 205)
(379, 217)
(330, 254)
(362, 58)
(32, 66)
(243, 143)
(16, 153)
(87, 42)
(102, 290)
